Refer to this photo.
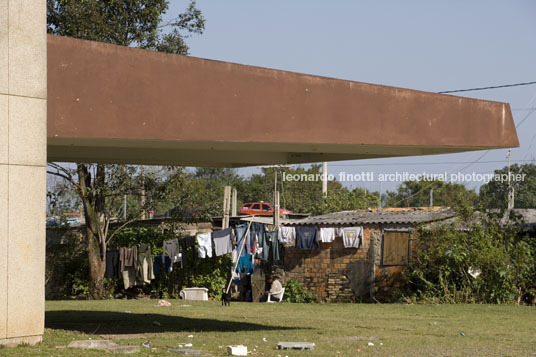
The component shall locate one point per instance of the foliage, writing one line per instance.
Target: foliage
(61, 198)
(211, 273)
(445, 254)
(494, 194)
(417, 194)
(304, 196)
(195, 195)
(136, 23)
(296, 292)
(66, 265)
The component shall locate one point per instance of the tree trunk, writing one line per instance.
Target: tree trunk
(97, 267)
(142, 193)
(93, 211)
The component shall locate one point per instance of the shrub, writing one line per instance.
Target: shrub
(295, 292)
(446, 255)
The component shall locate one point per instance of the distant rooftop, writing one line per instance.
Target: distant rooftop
(380, 216)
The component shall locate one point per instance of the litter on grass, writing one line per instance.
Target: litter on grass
(163, 303)
(238, 350)
(296, 346)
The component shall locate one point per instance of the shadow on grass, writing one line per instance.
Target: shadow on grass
(108, 322)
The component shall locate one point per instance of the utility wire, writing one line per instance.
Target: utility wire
(485, 88)
(426, 163)
(487, 151)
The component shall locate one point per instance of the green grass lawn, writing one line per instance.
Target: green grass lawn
(336, 329)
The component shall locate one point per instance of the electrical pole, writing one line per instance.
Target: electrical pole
(226, 206)
(510, 187)
(276, 201)
(325, 179)
(233, 202)
(125, 208)
(380, 203)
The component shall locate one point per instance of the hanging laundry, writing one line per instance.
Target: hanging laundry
(352, 237)
(307, 238)
(204, 244)
(128, 258)
(188, 243)
(274, 241)
(145, 264)
(240, 236)
(171, 247)
(327, 235)
(222, 241)
(112, 264)
(160, 260)
(264, 246)
(287, 236)
(270, 228)
(234, 273)
(257, 233)
(245, 265)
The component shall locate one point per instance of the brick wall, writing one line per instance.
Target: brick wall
(325, 272)
(338, 274)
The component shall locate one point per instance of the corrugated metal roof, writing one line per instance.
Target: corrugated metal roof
(407, 216)
(385, 216)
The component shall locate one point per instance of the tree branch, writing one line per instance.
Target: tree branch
(66, 174)
(120, 227)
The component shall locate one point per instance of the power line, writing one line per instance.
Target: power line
(485, 88)
(523, 109)
(426, 163)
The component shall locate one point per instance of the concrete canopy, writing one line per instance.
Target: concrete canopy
(113, 104)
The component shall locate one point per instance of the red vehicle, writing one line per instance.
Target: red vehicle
(260, 208)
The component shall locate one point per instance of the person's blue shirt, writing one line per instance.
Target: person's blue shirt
(244, 265)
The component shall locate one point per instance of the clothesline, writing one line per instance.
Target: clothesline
(246, 242)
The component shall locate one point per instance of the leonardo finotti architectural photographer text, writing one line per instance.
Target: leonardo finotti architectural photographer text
(406, 176)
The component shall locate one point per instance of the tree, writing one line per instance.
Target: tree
(494, 194)
(136, 23)
(61, 198)
(304, 196)
(417, 194)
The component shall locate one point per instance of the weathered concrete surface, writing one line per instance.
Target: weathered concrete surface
(110, 103)
(296, 345)
(104, 345)
(360, 277)
(187, 352)
(92, 344)
(23, 108)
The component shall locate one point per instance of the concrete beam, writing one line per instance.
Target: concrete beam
(110, 103)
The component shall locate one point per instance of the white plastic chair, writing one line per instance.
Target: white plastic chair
(282, 292)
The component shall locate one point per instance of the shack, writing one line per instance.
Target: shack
(371, 272)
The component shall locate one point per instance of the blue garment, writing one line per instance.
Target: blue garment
(256, 234)
(307, 238)
(158, 262)
(264, 242)
(245, 265)
(272, 237)
(240, 232)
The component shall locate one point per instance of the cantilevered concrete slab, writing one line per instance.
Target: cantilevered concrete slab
(109, 103)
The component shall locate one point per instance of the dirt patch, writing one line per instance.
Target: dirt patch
(143, 336)
(350, 338)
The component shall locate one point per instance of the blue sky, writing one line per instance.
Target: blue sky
(426, 45)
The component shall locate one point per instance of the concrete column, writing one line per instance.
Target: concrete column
(23, 92)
